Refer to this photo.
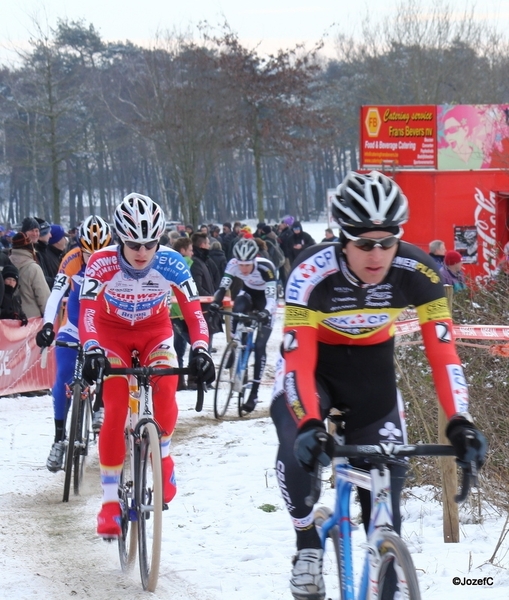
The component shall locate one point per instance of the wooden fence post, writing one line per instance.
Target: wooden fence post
(448, 470)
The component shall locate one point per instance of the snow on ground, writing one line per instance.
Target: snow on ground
(225, 536)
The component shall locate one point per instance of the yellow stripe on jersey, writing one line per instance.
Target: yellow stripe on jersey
(433, 311)
(296, 315)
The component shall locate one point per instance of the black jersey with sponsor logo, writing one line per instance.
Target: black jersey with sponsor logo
(327, 306)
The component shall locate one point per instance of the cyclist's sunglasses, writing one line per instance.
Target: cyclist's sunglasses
(135, 246)
(367, 244)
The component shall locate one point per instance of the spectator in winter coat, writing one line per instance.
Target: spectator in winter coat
(298, 241)
(329, 236)
(284, 232)
(452, 271)
(216, 253)
(72, 236)
(11, 307)
(56, 247)
(207, 278)
(227, 236)
(437, 251)
(276, 254)
(41, 251)
(33, 288)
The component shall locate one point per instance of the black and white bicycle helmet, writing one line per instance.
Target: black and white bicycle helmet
(139, 219)
(245, 250)
(373, 201)
(93, 234)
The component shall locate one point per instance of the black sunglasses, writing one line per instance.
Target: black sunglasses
(135, 246)
(368, 244)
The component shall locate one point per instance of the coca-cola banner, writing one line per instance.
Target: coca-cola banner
(20, 359)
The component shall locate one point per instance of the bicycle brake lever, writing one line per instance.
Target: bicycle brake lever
(316, 485)
(465, 486)
(201, 389)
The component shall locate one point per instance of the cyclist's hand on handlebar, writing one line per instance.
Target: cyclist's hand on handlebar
(202, 366)
(45, 336)
(313, 443)
(264, 317)
(214, 307)
(468, 442)
(95, 362)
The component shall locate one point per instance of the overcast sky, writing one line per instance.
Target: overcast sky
(272, 23)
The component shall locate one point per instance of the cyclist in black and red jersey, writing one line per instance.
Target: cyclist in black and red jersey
(342, 301)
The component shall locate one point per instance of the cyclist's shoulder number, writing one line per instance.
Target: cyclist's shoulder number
(90, 288)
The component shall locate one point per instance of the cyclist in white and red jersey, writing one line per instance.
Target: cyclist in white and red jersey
(342, 301)
(258, 293)
(124, 308)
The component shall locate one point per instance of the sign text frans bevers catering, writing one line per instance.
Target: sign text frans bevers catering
(402, 135)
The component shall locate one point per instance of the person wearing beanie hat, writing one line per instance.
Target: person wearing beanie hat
(44, 227)
(30, 226)
(33, 288)
(11, 306)
(41, 251)
(56, 248)
(288, 220)
(451, 273)
(57, 234)
(297, 242)
(21, 240)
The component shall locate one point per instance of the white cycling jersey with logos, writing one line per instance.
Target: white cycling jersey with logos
(262, 279)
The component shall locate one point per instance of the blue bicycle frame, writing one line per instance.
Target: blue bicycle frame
(248, 347)
(380, 528)
(346, 477)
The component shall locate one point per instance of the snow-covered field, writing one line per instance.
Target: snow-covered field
(225, 536)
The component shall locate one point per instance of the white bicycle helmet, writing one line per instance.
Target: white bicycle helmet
(245, 250)
(93, 234)
(139, 219)
(373, 201)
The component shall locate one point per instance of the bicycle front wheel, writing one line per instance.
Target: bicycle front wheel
(224, 380)
(81, 441)
(396, 571)
(149, 504)
(71, 439)
(128, 540)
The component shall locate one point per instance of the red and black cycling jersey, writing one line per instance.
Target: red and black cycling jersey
(327, 306)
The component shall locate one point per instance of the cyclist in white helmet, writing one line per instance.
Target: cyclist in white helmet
(123, 309)
(258, 293)
(93, 234)
(342, 300)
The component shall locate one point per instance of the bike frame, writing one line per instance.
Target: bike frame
(243, 356)
(379, 482)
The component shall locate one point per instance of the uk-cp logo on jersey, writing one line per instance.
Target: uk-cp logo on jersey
(307, 270)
